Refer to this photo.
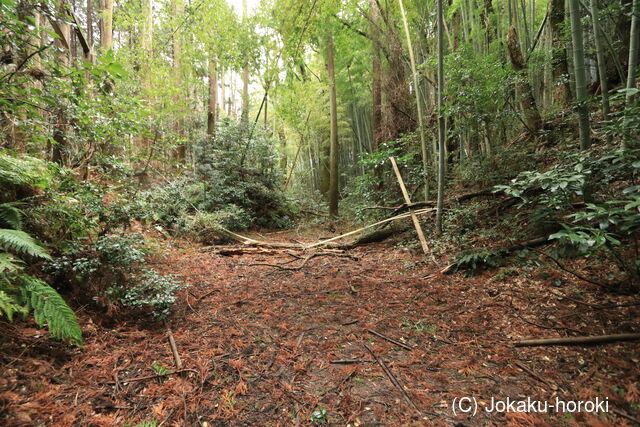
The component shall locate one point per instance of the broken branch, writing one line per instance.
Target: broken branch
(598, 339)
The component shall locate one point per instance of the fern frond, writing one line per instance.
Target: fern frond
(22, 243)
(24, 171)
(9, 306)
(9, 263)
(10, 216)
(49, 308)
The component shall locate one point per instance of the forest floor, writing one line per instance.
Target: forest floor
(257, 344)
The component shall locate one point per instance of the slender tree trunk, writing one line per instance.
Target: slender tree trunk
(90, 23)
(376, 73)
(441, 123)
(333, 146)
(145, 57)
(245, 74)
(213, 97)
(61, 125)
(106, 25)
(222, 92)
(634, 41)
(561, 93)
(181, 152)
(530, 109)
(416, 89)
(602, 66)
(580, 75)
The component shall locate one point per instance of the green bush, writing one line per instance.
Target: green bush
(111, 271)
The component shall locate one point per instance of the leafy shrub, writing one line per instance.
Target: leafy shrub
(611, 213)
(236, 181)
(151, 291)
(475, 260)
(112, 269)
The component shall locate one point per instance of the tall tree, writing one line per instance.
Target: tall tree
(441, 124)
(602, 67)
(106, 25)
(333, 146)
(245, 71)
(212, 111)
(533, 120)
(561, 93)
(416, 89)
(634, 42)
(63, 29)
(376, 75)
(580, 75)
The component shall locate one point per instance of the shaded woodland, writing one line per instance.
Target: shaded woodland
(286, 212)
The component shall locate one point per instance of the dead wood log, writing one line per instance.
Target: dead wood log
(598, 339)
(393, 380)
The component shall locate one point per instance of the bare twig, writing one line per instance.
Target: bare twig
(393, 379)
(151, 377)
(534, 375)
(391, 340)
(599, 339)
(174, 349)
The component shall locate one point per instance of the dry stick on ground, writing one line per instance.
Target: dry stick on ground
(304, 261)
(598, 339)
(624, 415)
(174, 348)
(350, 361)
(596, 306)
(393, 379)
(534, 375)
(151, 377)
(578, 275)
(391, 340)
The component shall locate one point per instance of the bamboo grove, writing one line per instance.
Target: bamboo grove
(338, 85)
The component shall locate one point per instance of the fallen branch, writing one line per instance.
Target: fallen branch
(350, 361)
(534, 375)
(151, 377)
(391, 340)
(284, 267)
(174, 349)
(598, 339)
(393, 379)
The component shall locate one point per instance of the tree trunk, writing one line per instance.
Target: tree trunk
(602, 66)
(376, 85)
(580, 76)
(533, 120)
(61, 125)
(222, 93)
(333, 146)
(90, 23)
(145, 57)
(245, 74)
(213, 97)
(441, 124)
(561, 93)
(631, 73)
(106, 25)
(181, 152)
(416, 89)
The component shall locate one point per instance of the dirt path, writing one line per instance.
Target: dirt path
(259, 343)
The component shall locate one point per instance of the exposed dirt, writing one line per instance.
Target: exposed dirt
(258, 343)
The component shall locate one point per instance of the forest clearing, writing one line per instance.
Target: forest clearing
(319, 212)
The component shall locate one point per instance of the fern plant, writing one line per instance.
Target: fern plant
(21, 293)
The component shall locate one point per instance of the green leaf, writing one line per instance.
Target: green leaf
(22, 243)
(50, 309)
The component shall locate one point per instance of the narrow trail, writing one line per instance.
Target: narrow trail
(258, 343)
